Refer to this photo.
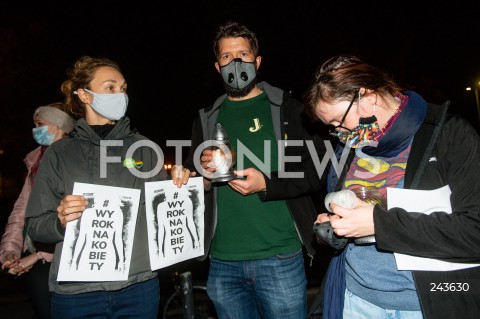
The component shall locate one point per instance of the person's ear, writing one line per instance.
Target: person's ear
(217, 66)
(84, 96)
(368, 98)
(258, 61)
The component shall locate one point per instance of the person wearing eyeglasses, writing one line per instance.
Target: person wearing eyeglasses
(398, 140)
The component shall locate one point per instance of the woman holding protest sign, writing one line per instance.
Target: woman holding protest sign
(103, 151)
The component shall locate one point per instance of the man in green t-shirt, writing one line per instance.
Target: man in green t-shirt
(255, 226)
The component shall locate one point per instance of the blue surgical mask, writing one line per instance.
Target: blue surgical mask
(41, 136)
(112, 106)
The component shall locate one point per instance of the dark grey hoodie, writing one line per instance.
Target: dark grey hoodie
(77, 159)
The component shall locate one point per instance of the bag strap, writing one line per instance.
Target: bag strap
(427, 135)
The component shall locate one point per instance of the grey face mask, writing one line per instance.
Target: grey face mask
(238, 74)
(111, 106)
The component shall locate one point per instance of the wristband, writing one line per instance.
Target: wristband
(365, 240)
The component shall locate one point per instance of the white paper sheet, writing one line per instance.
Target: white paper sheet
(426, 202)
(98, 246)
(175, 219)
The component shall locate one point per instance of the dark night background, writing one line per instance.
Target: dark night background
(165, 52)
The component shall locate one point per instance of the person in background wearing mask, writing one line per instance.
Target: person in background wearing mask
(95, 95)
(398, 141)
(255, 227)
(18, 253)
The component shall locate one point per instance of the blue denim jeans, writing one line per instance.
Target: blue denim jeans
(140, 300)
(358, 308)
(266, 288)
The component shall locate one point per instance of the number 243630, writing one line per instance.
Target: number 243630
(449, 286)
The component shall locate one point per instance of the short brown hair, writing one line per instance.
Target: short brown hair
(234, 29)
(341, 77)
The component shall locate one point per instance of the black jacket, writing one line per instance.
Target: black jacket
(445, 151)
(288, 121)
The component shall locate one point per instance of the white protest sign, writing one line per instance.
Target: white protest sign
(175, 220)
(426, 202)
(98, 245)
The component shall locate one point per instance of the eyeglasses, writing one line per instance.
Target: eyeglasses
(333, 132)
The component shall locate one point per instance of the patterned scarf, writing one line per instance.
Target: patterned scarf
(398, 137)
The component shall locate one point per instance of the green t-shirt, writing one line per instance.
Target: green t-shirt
(248, 228)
